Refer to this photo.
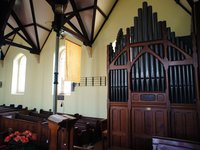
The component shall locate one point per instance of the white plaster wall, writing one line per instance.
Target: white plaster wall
(89, 101)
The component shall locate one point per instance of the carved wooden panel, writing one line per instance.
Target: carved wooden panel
(119, 126)
(184, 123)
(151, 69)
(147, 122)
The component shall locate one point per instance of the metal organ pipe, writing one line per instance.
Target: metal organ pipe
(148, 73)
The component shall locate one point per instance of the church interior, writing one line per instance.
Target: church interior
(99, 74)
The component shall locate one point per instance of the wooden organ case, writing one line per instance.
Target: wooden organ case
(153, 84)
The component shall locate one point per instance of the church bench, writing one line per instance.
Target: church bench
(29, 118)
(40, 115)
(83, 136)
(48, 113)
(4, 110)
(165, 143)
(88, 130)
(85, 129)
(38, 127)
(96, 124)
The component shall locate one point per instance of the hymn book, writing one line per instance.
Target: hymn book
(60, 118)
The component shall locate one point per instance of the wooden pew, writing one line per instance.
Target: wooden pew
(88, 130)
(165, 143)
(23, 123)
(10, 110)
(40, 115)
(47, 113)
(29, 118)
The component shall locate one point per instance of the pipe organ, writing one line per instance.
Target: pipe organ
(153, 84)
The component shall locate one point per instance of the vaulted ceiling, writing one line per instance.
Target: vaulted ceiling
(32, 21)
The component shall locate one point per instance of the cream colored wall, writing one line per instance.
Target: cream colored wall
(32, 95)
(90, 101)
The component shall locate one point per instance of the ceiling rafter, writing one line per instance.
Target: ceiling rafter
(49, 30)
(78, 10)
(105, 20)
(79, 20)
(9, 45)
(6, 14)
(69, 17)
(19, 45)
(93, 19)
(103, 14)
(73, 26)
(182, 6)
(15, 30)
(46, 39)
(30, 41)
(5, 11)
(78, 36)
(34, 23)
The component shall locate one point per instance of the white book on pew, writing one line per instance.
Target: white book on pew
(59, 118)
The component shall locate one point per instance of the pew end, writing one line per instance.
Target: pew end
(165, 143)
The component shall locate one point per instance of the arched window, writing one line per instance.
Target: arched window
(19, 74)
(64, 87)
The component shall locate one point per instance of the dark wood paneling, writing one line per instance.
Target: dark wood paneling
(119, 126)
(184, 123)
(41, 130)
(147, 122)
(161, 118)
(162, 82)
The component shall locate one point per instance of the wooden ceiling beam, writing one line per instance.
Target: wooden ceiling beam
(79, 19)
(73, 27)
(102, 13)
(15, 30)
(3, 55)
(49, 30)
(78, 36)
(5, 11)
(46, 39)
(9, 45)
(73, 13)
(34, 24)
(105, 20)
(30, 41)
(182, 6)
(93, 19)
(21, 46)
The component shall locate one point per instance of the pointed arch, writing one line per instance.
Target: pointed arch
(19, 74)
